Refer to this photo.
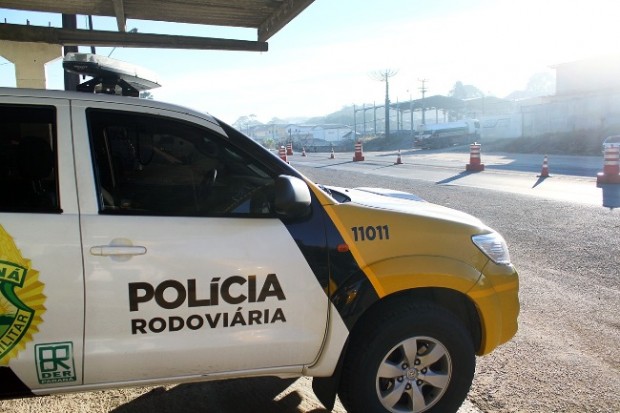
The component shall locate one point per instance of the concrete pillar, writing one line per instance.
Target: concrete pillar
(29, 60)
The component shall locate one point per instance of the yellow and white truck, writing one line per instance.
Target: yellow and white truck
(145, 243)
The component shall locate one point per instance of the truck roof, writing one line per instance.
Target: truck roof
(101, 97)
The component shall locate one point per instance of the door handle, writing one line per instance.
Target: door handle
(117, 250)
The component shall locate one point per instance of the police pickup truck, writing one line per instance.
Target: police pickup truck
(145, 243)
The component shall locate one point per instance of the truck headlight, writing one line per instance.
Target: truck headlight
(493, 246)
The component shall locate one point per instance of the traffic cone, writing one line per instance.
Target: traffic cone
(474, 164)
(399, 160)
(282, 154)
(544, 173)
(358, 152)
(303, 151)
(332, 156)
(611, 167)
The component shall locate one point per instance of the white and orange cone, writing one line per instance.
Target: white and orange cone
(544, 173)
(358, 156)
(399, 160)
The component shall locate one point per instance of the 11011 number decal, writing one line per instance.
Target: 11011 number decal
(370, 233)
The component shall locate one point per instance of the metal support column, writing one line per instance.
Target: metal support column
(69, 21)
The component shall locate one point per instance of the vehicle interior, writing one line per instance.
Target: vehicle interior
(157, 166)
(27, 159)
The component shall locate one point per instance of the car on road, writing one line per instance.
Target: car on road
(145, 243)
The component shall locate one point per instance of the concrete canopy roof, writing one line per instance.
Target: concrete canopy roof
(266, 16)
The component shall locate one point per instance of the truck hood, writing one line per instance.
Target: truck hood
(404, 202)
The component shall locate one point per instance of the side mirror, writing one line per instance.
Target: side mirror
(292, 197)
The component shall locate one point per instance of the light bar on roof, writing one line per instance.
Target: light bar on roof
(109, 75)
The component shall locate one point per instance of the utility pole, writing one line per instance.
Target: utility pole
(364, 118)
(411, 113)
(354, 122)
(423, 90)
(385, 77)
(374, 117)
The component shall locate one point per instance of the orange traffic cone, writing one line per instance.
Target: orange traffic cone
(611, 167)
(474, 164)
(358, 156)
(399, 160)
(282, 154)
(544, 173)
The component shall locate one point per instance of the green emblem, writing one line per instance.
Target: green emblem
(15, 316)
(21, 299)
(55, 363)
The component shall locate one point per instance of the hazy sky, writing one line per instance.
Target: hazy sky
(324, 58)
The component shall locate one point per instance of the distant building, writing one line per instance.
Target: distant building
(587, 100)
(499, 126)
(260, 132)
(316, 134)
(300, 134)
(297, 132)
(587, 76)
(586, 103)
(331, 133)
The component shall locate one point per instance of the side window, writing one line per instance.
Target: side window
(28, 178)
(151, 165)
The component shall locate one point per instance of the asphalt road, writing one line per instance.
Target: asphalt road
(503, 172)
(566, 355)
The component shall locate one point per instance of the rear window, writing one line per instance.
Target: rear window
(28, 159)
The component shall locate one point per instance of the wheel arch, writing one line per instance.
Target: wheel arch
(447, 312)
(457, 303)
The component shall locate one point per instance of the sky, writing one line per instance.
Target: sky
(329, 55)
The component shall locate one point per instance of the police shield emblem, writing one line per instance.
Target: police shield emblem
(21, 299)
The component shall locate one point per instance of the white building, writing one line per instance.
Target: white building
(331, 133)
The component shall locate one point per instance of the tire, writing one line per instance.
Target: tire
(408, 358)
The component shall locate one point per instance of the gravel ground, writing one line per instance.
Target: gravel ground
(255, 395)
(565, 357)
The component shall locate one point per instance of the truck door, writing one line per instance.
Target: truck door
(188, 270)
(41, 273)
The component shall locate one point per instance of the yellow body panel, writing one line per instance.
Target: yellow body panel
(497, 301)
(426, 248)
(417, 244)
(404, 273)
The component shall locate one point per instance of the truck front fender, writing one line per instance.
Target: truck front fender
(410, 272)
(390, 277)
